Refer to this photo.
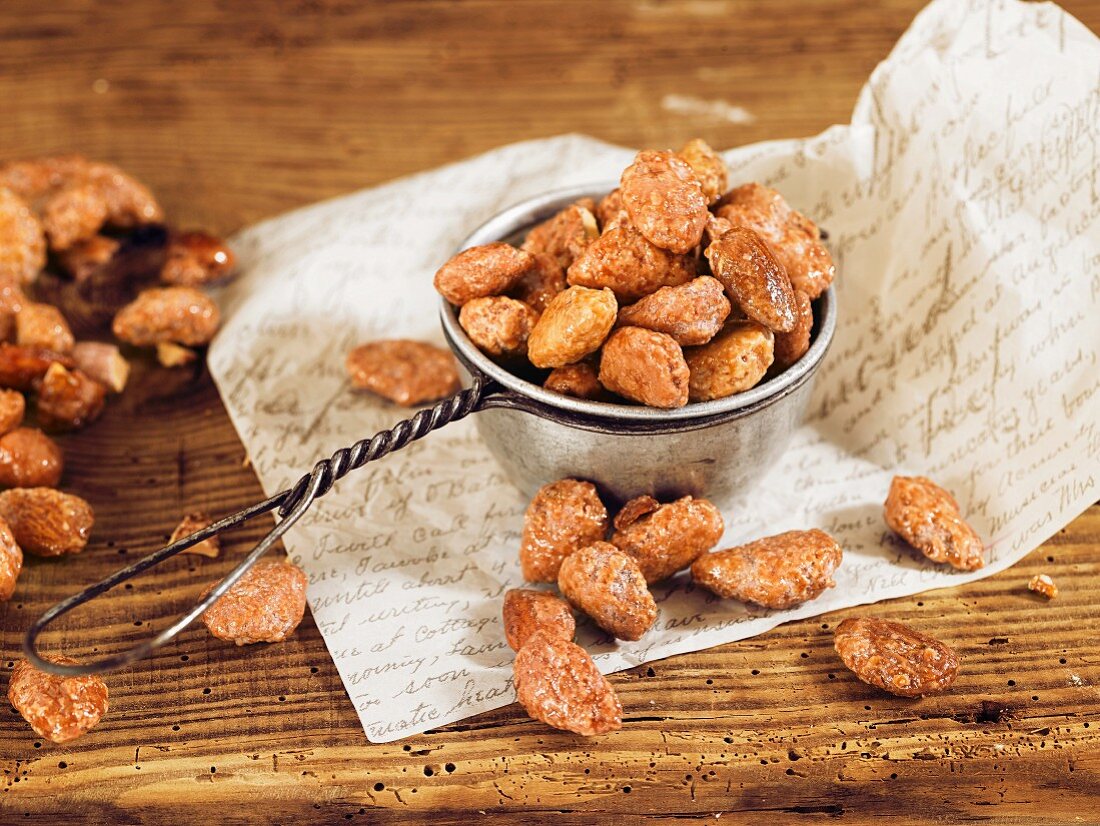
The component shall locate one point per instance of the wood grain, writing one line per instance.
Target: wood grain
(233, 112)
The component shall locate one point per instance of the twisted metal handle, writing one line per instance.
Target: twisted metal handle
(291, 503)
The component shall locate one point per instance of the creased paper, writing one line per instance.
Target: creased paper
(962, 205)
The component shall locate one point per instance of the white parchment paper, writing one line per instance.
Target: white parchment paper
(963, 204)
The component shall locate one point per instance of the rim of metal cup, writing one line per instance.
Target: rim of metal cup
(525, 214)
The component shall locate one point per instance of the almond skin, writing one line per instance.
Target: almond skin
(47, 522)
(29, 459)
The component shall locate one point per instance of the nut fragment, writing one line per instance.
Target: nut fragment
(11, 562)
(575, 323)
(558, 683)
(47, 522)
(191, 523)
(68, 400)
(29, 459)
(632, 511)
(563, 517)
(264, 605)
(86, 258)
(57, 708)
(754, 279)
(527, 611)
(1043, 584)
(103, 362)
(490, 269)
(73, 215)
(645, 366)
(43, 325)
(498, 325)
(405, 372)
(580, 380)
(181, 315)
(708, 167)
(779, 571)
(733, 361)
(540, 284)
(12, 407)
(664, 200)
(791, 346)
(22, 240)
(625, 262)
(894, 657)
(608, 585)
(564, 236)
(197, 258)
(668, 538)
(691, 313)
(22, 367)
(793, 237)
(928, 518)
(172, 355)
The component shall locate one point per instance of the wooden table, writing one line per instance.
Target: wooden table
(233, 112)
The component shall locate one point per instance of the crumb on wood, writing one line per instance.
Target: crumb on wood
(1043, 584)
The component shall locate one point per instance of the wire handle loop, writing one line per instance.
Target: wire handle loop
(291, 503)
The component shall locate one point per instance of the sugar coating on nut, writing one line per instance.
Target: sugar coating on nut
(43, 325)
(634, 510)
(264, 605)
(498, 325)
(47, 522)
(13, 405)
(789, 347)
(708, 167)
(581, 381)
(609, 207)
(563, 236)
(559, 684)
(574, 324)
(624, 261)
(754, 279)
(527, 611)
(1044, 585)
(733, 361)
(196, 258)
(564, 517)
(665, 200)
(779, 571)
(670, 537)
(538, 286)
(404, 371)
(180, 315)
(607, 585)
(691, 313)
(894, 657)
(22, 240)
(57, 708)
(29, 459)
(21, 368)
(68, 400)
(488, 269)
(11, 561)
(645, 366)
(928, 518)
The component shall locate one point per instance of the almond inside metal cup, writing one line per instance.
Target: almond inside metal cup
(717, 449)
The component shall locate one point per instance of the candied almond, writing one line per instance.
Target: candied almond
(540, 284)
(47, 522)
(498, 325)
(665, 200)
(527, 611)
(264, 605)
(196, 258)
(11, 562)
(563, 517)
(22, 240)
(580, 380)
(894, 657)
(56, 707)
(779, 571)
(558, 683)
(489, 269)
(789, 347)
(609, 207)
(563, 236)
(646, 367)
(754, 279)
(708, 167)
(181, 315)
(691, 313)
(733, 361)
(68, 399)
(669, 537)
(43, 325)
(623, 261)
(404, 371)
(574, 324)
(607, 585)
(928, 518)
(634, 510)
(21, 368)
(29, 459)
(12, 407)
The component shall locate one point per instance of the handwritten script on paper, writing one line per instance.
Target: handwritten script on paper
(963, 205)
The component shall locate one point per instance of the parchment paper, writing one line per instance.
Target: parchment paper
(962, 203)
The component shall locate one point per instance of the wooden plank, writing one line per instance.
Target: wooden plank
(233, 113)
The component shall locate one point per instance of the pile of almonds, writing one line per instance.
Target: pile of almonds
(92, 238)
